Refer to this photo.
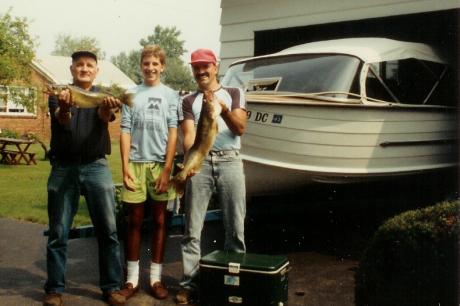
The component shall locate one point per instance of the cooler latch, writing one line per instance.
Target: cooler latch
(234, 267)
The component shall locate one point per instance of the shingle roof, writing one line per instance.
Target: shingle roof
(56, 70)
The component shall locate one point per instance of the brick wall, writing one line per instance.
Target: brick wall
(38, 124)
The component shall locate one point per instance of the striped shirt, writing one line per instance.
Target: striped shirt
(233, 98)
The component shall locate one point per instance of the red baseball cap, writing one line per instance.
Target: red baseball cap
(203, 56)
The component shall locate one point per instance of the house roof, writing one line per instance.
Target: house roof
(56, 70)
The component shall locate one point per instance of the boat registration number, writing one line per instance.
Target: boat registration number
(264, 117)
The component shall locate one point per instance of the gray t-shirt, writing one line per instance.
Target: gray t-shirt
(155, 110)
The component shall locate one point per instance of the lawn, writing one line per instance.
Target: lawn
(23, 188)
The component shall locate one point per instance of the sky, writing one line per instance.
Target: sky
(119, 25)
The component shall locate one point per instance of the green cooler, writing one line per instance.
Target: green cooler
(228, 278)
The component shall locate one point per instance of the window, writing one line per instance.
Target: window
(411, 81)
(11, 98)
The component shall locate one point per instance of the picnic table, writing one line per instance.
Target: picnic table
(13, 151)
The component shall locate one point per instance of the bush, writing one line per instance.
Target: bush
(9, 133)
(411, 260)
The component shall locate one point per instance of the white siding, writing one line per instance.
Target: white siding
(240, 18)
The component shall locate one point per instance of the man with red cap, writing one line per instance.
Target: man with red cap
(222, 170)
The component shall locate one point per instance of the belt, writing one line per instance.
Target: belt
(223, 152)
(80, 159)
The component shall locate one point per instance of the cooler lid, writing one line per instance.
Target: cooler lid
(246, 261)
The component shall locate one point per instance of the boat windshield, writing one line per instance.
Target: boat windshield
(305, 73)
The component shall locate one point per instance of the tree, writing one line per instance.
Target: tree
(16, 54)
(168, 39)
(129, 64)
(177, 74)
(16, 50)
(65, 45)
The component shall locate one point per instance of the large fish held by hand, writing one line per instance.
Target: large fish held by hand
(84, 98)
(206, 133)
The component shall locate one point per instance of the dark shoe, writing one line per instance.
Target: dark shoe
(184, 296)
(114, 298)
(159, 291)
(128, 290)
(53, 299)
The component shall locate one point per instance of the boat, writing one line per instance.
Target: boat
(343, 111)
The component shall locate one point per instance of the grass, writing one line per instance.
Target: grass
(23, 194)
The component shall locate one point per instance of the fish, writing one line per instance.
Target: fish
(206, 133)
(84, 98)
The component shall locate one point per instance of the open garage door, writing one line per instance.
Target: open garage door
(439, 28)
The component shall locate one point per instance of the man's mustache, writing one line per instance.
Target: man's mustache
(199, 75)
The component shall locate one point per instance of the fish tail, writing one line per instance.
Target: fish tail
(178, 182)
(128, 99)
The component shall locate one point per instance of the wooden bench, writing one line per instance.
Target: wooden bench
(30, 158)
(17, 152)
(14, 157)
(10, 157)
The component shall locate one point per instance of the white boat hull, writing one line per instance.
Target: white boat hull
(289, 145)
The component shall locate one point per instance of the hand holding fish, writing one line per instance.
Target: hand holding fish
(110, 102)
(106, 109)
(235, 119)
(224, 107)
(191, 173)
(64, 100)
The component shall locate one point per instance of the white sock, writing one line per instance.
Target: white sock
(155, 272)
(133, 272)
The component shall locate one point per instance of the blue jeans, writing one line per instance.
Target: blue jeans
(65, 184)
(222, 172)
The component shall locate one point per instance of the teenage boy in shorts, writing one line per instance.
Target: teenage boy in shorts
(147, 144)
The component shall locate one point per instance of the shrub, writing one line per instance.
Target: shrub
(411, 259)
(9, 133)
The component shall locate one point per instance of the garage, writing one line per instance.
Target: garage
(438, 28)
